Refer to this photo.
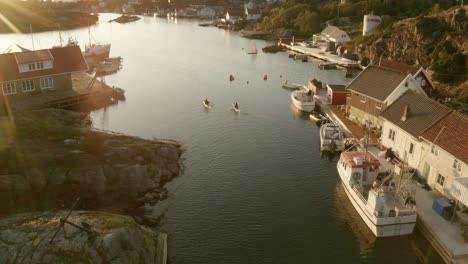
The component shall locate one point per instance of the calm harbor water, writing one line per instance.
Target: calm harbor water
(254, 187)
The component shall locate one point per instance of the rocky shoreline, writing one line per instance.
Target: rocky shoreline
(52, 157)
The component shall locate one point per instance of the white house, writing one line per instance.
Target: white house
(332, 34)
(405, 120)
(375, 89)
(252, 14)
(445, 166)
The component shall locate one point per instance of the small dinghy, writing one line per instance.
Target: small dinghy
(292, 86)
(316, 117)
(206, 104)
(235, 107)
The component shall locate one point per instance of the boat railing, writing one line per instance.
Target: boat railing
(359, 194)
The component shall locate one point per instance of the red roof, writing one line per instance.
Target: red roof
(397, 66)
(33, 56)
(367, 160)
(454, 136)
(66, 60)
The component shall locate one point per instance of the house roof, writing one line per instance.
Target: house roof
(376, 82)
(66, 59)
(400, 67)
(423, 112)
(33, 56)
(454, 136)
(328, 30)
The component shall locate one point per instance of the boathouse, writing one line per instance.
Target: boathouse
(332, 34)
(419, 74)
(405, 121)
(337, 94)
(373, 90)
(31, 74)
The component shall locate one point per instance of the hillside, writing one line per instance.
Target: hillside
(438, 42)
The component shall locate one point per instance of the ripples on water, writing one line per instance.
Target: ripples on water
(254, 187)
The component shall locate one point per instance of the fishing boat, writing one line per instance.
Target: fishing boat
(292, 86)
(331, 138)
(316, 117)
(95, 52)
(303, 100)
(254, 48)
(327, 65)
(106, 67)
(206, 104)
(387, 208)
(235, 107)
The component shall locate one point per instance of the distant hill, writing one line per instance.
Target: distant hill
(20, 16)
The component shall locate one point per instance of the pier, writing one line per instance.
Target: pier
(319, 53)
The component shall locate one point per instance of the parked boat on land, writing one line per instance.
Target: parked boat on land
(331, 138)
(303, 100)
(327, 65)
(292, 86)
(387, 210)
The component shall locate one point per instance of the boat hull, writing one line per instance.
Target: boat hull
(394, 227)
(205, 105)
(303, 106)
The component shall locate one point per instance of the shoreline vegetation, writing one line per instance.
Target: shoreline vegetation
(37, 16)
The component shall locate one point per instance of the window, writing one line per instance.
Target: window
(411, 148)
(378, 105)
(40, 65)
(457, 165)
(391, 135)
(423, 82)
(435, 151)
(47, 83)
(440, 180)
(9, 88)
(32, 66)
(362, 98)
(27, 85)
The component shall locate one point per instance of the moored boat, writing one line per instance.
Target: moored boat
(316, 117)
(386, 209)
(303, 100)
(292, 86)
(327, 65)
(331, 138)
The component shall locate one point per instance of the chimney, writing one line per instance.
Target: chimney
(405, 113)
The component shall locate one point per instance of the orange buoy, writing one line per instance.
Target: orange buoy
(265, 77)
(231, 77)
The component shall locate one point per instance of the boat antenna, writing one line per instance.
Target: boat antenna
(32, 36)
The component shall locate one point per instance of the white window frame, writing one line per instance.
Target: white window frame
(362, 98)
(440, 180)
(27, 85)
(457, 165)
(435, 150)
(47, 83)
(391, 134)
(378, 105)
(8, 88)
(32, 66)
(40, 65)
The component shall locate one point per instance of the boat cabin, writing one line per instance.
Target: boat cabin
(361, 168)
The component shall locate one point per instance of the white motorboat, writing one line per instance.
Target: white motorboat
(206, 104)
(386, 209)
(292, 86)
(331, 138)
(303, 100)
(316, 117)
(253, 49)
(235, 107)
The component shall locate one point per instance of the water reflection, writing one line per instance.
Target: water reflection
(347, 218)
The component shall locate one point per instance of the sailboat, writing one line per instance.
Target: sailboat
(254, 48)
